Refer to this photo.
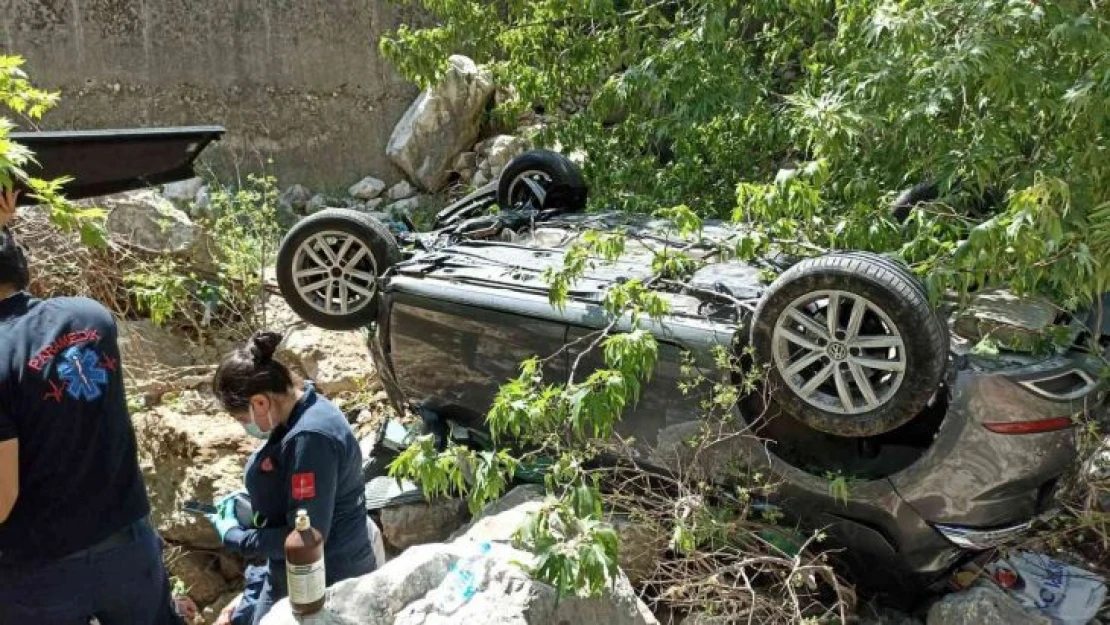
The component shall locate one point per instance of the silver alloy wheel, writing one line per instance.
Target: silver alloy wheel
(335, 273)
(527, 181)
(822, 354)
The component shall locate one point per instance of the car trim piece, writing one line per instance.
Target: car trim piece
(1036, 385)
(574, 313)
(980, 539)
(1038, 426)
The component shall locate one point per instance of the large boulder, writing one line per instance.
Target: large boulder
(149, 222)
(642, 543)
(443, 121)
(983, 604)
(408, 591)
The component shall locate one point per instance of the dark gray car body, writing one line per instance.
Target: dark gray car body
(455, 323)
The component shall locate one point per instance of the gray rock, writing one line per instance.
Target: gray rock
(406, 592)
(982, 604)
(500, 518)
(481, 179)
(370, 206)
(466, 162)
(502, 149)
(295, 198)
(202, 200)
(419, 523)
(443, 121)
(183, 192)
(316, 204)
(641, 544)
(367, 189)
(337, 362)
(401, 191)
(148, 221)
(1015, 322)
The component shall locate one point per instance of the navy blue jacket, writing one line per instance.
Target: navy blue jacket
(62, 397)
(312, 461)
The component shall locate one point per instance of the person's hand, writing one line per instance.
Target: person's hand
(229, 609)
(186, 607)
(224, 520)
(7, 206)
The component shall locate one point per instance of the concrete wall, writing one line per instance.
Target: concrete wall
(298, 81)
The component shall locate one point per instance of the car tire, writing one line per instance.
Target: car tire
(555, 173)
(895, 265)
(906, 201)
(329, 266)
(874, 367)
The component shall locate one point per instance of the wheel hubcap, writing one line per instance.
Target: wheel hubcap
(335, 273)
(839, 352)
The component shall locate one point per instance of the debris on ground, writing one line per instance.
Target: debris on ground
(1044, 587)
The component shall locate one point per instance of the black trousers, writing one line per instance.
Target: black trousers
(121, 582)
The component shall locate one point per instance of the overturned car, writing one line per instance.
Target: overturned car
(948, 453)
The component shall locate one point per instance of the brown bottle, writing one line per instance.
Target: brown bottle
(304, 566)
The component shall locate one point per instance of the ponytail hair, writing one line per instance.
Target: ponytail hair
(251, 370)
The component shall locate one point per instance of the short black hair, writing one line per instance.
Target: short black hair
(13, 261)
(251, 370)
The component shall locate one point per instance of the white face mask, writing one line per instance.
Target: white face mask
(252, 427)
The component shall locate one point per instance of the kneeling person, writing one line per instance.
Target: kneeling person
(310, 460)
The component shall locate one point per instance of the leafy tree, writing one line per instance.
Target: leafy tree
(22, 98)
(1004, 99)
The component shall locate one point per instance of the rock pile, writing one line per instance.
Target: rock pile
(444, 145)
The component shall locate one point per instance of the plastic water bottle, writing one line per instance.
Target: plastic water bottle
(462, 581)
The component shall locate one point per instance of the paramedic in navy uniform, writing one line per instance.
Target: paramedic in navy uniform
(74, 538)
(310, 459)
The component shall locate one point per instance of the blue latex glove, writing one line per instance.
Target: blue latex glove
(224, 520)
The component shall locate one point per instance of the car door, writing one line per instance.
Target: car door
(453, 356)
(662, 403)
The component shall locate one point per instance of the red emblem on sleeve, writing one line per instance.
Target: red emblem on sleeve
(267, 465)
(304, 486)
